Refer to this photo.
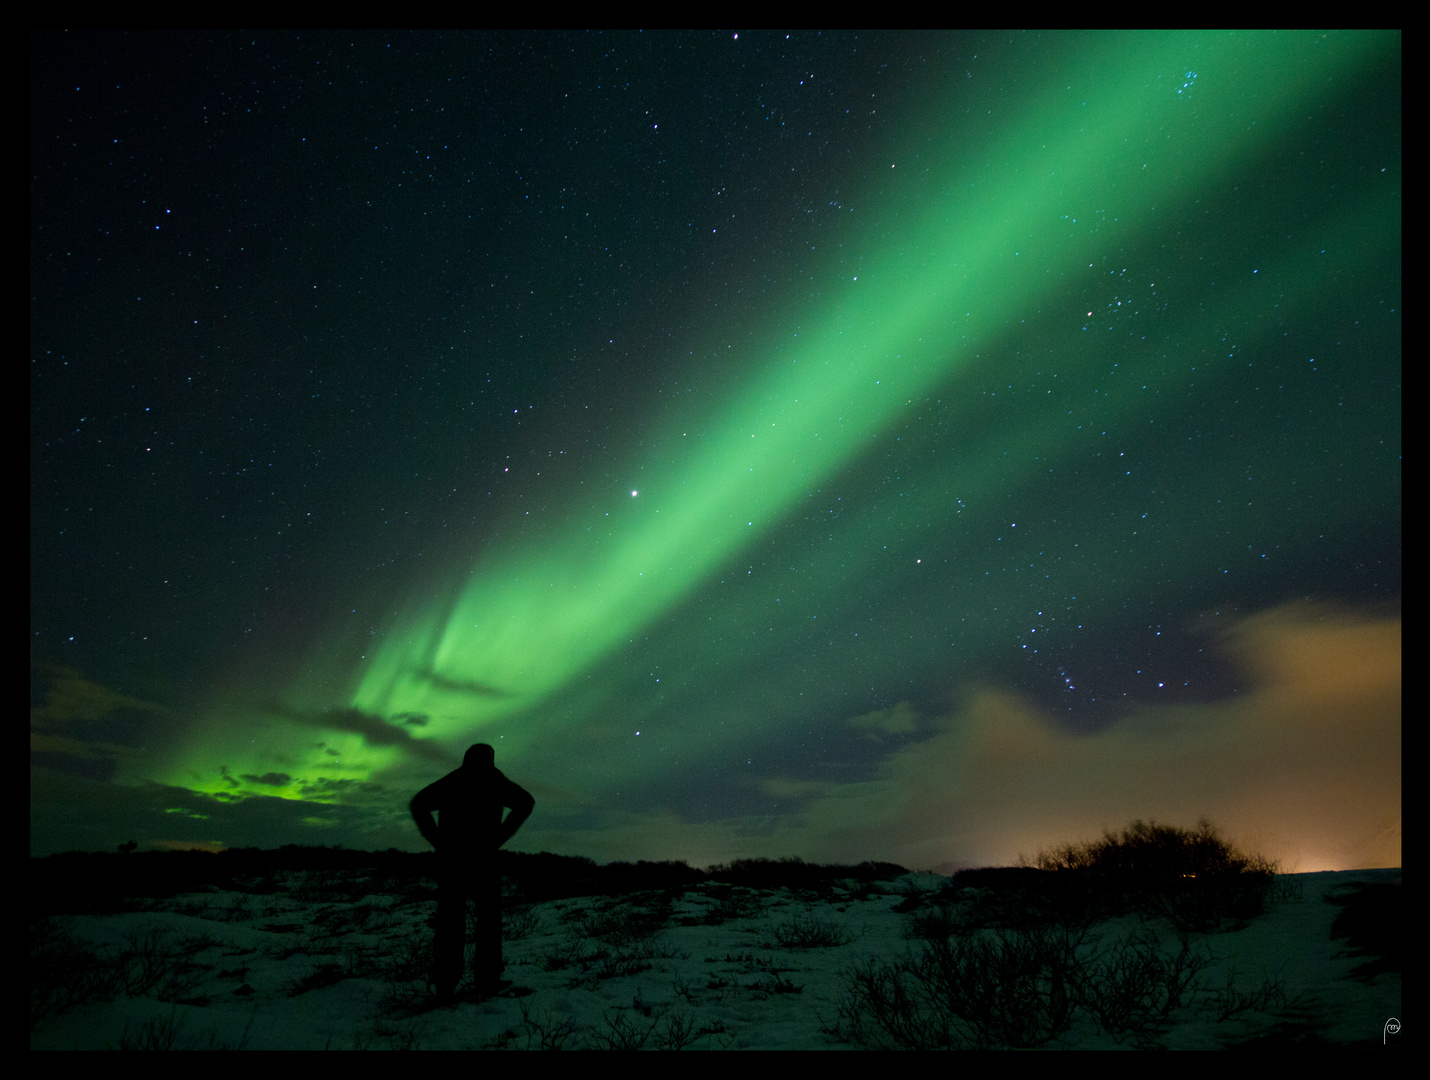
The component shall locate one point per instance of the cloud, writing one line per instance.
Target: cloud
(85, 729)
(71, 706)
(68, 756)
(70, 699)
(272, 779)
(777, 788)
(900, 719)
(375, 730)
(461, 686)
(352, 792)
(1303, 766)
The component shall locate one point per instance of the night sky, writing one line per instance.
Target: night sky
(920, 447)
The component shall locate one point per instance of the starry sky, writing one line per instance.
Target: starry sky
(919, 447)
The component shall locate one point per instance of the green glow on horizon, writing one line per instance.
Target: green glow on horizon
(904, 308)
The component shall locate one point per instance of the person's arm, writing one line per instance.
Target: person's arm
(423, 803)
(522, 804)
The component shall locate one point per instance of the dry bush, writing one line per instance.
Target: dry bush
(1195, 878)
(1005, 988)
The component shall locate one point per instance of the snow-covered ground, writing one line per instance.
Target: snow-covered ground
(311, 963)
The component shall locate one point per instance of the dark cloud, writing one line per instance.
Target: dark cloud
(272, 779)
(90, 768)
(65, 702)
(462, 686)
(374, 730)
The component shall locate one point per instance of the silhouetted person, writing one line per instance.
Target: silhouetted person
(469, 830)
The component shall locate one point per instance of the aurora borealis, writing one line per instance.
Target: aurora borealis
(909, 447)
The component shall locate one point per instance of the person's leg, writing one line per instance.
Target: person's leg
(487, 963)
(451, 934)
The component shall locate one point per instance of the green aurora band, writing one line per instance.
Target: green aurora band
(944, 263)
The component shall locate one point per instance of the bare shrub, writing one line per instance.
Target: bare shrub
(520, 921)
(889, 1007)
(1020, 988)
(1195, 878)
(806, 930)
(1005, 988)
(1134, 987)
(547, 1031)
(66, 971)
